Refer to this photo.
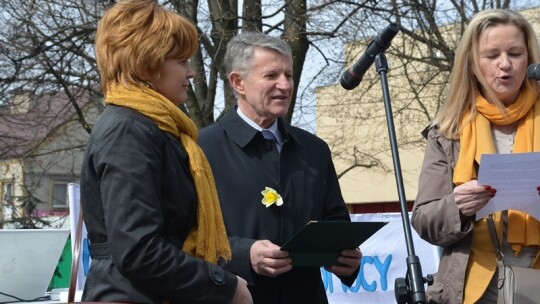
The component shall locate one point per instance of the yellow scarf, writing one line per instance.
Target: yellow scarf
(475, 140)
(208, 238)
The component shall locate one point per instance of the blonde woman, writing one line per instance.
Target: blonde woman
(149, 200)
(491, 108)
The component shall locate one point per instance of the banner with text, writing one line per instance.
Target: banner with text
(383, 260)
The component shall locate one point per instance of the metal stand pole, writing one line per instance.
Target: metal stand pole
(411, 288)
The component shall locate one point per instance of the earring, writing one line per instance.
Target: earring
(148, 84)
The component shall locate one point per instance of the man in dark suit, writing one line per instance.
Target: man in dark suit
(272, 178)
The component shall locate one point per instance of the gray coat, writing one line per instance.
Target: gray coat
(139, 204)
(438, 221)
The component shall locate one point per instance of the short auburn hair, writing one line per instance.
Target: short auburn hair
(133, 39)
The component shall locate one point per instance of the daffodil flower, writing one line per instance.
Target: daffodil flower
(270, 196)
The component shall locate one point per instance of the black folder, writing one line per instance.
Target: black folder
(319, 243)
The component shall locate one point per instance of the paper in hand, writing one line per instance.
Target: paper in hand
(515, 177)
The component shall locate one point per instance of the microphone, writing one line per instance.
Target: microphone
(533, 71)
(352, 77)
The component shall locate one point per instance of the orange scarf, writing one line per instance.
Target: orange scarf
(208, 238)
(476, 139)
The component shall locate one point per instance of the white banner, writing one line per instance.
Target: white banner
(74, 199)
(383, 260)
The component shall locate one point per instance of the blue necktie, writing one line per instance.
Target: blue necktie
(268, 135)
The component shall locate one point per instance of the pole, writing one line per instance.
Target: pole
(411, 288)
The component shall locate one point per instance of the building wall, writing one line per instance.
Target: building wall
(355, 126)
(57, 160)
(10, 174)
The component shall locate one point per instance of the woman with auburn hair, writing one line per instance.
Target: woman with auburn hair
(491, 108)
(147, 192)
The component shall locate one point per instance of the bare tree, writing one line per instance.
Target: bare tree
(47, 45)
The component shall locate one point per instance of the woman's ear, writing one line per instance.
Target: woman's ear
(153, 77)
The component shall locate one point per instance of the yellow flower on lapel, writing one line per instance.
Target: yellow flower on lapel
(270, 196)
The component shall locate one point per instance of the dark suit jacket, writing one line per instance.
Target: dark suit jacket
(244, 164)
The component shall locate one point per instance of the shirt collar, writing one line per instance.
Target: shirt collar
(273, 128)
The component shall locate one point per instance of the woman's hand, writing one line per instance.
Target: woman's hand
(471, 197)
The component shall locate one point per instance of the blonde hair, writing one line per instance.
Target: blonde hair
(133, 39)
(466, 80)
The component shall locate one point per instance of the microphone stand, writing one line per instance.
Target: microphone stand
(410, 289)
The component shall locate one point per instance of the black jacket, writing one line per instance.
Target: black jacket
(243, 165)
(139, 204)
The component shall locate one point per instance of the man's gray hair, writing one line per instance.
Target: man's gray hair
(241, 48)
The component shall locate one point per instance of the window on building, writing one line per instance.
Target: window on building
(7, 200)
(7, 192)
(59, 195)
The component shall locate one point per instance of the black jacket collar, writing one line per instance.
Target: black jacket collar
(242, 133)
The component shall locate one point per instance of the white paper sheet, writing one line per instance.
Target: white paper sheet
(515, 176)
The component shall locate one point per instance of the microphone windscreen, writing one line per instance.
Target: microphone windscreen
(533, 71)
